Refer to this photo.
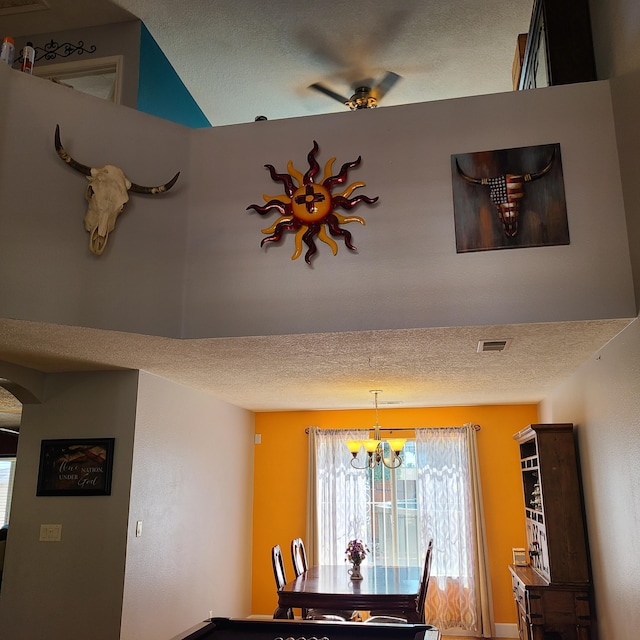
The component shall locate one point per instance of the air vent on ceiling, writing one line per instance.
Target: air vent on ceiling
(8, 7)
(493, 345)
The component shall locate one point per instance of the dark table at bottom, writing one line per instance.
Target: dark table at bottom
(237, 629)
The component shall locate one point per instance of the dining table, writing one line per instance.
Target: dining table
(382, 589)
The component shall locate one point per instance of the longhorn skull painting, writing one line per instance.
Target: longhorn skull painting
(107, 193)
(509, 198)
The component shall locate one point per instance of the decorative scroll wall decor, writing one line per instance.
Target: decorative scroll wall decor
(309, 208)
(509, 198)
(53, 50)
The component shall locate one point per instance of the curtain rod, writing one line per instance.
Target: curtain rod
(476, 427)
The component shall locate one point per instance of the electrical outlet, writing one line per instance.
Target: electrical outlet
(50, 532)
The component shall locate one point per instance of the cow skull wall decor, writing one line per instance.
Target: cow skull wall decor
(506, 192)
(107, 193)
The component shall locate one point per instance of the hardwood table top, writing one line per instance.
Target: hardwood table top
(330, 587)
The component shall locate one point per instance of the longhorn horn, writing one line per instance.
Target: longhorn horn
(159, 189)
(538, 174)
(469, 178)
(82, 168)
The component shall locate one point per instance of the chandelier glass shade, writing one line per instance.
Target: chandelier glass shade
(374, 447)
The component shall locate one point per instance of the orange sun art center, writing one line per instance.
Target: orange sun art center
(311, 203)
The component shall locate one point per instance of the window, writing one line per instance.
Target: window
(7, 469)
(396, 513)
(394, 533)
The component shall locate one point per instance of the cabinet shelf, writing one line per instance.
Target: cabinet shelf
(529, 463)
(535, 514)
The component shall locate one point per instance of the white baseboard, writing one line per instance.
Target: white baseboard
(502, 630)
(506, 630)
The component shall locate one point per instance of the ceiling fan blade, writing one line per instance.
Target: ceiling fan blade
(385, 84)
(332, 94)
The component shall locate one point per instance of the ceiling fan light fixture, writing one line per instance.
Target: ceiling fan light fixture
(362, 99)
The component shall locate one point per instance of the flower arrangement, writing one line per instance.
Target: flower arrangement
(356, 551)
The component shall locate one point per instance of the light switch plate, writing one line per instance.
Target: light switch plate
(138, 528)
(50, 532)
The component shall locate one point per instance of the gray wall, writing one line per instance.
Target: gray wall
(46, 268)
(626, 102)
(189, 264)
(602, 399)
(407, 272)
(193, 498)
(44, 582)
(192, 487)
(616, 36)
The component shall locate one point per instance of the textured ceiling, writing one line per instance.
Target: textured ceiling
(413, 367)
(244, 58)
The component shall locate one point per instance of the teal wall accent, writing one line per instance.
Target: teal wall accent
(160, 91)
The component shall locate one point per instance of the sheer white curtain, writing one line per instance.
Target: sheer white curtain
(450, 512)
(340, 506)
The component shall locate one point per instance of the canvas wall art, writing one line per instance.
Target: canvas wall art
(509, 198)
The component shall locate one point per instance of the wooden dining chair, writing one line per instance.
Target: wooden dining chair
(279, 573)
(424, 583)
(300, 566)
(421, 599)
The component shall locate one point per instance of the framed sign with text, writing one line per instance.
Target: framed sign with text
(75, 467)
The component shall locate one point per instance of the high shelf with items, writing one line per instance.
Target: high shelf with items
(553, 593)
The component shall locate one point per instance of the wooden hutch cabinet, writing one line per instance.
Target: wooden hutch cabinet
(552, 593)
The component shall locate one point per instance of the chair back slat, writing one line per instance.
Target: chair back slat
(298, 556)
(278, 567)
(424, 583)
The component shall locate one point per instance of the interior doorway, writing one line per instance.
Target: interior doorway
(99, 77)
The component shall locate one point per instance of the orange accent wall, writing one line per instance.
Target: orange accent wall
(280, 484)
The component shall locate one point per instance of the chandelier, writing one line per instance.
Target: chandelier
(375, 446)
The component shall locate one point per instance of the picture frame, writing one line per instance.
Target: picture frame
(519, 557)
(509, 198)
(75, 467)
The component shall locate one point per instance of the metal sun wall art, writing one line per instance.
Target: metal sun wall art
(309, 208)
(509, 198)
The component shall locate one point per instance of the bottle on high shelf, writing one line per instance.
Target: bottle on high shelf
(7, 51)
(28, 57)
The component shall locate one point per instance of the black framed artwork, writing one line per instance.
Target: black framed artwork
(75, 467)
(509, 198)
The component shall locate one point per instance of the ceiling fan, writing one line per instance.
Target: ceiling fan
(365, 96)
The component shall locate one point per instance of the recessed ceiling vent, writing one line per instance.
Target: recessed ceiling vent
(493, 345)
(8, 7)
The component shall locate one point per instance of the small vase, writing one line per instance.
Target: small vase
(354, 572)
